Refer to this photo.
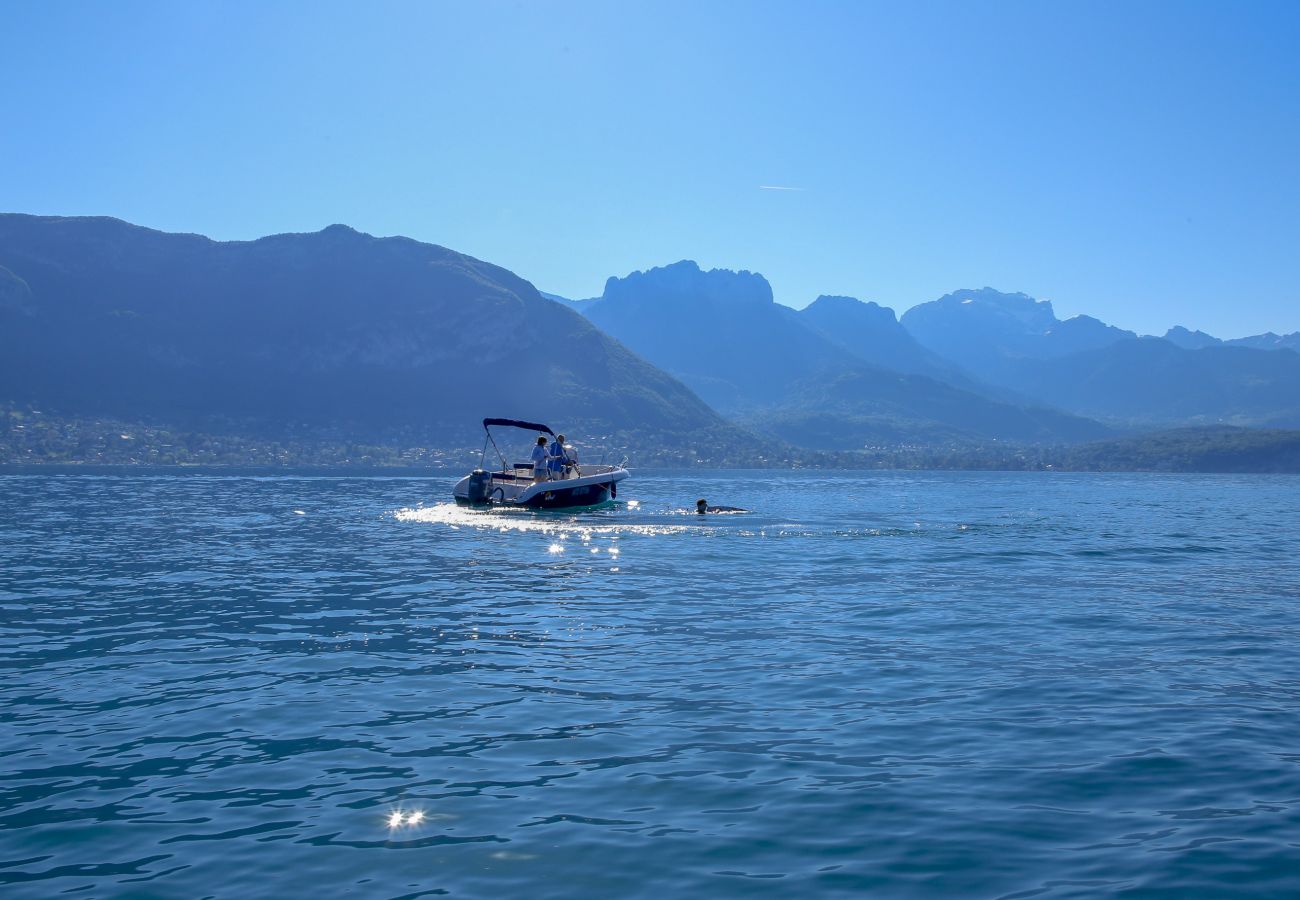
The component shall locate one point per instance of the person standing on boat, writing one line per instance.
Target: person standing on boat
(558, 457)
(540, 459)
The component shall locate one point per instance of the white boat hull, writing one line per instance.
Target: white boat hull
(589, 486)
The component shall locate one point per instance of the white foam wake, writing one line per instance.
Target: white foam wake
(520, 520)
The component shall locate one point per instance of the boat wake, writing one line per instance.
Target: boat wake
(583, 526)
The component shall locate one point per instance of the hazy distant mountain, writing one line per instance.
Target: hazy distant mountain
(719, 331)
(1196, 340)
(1190, 340)
(987, 332)
(1096, 370)
(874, 335)
(722, 334)
(572, 304)
(1268, 341)
(334, 329)
(867, 406)
(1151, 380)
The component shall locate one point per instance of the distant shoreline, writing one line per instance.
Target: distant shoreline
(32, 442)
(415, 473)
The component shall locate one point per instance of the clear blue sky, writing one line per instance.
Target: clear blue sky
(1137, 161)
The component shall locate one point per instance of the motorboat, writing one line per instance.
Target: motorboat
(518, 485)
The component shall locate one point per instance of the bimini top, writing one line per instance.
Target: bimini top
(515, 423)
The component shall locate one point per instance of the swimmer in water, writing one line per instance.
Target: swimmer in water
(702, 507)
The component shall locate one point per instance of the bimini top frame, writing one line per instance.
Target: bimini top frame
(506, 423)
(516, 423)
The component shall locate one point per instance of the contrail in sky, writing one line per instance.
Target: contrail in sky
(777, 187)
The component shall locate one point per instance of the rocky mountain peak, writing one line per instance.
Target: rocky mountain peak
(1033, 315)
(832, 304)
(1190, 340)
(686, 282)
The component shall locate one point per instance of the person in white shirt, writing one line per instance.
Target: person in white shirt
(540, 459)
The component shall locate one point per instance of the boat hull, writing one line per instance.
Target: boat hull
(586, 490)
(567, 498)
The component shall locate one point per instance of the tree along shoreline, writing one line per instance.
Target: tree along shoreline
(35, 442)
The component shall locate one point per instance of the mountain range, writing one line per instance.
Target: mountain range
(1197, 340)
(837, 375)
(1093, 369)
(389, 338)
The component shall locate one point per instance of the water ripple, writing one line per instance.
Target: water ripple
(1030, 685)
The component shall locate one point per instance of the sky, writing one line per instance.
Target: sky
(1135, 161)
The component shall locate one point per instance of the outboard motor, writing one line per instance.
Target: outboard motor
(479, 487)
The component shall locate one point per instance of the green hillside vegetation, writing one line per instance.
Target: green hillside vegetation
(1211, 449)
(29, 437)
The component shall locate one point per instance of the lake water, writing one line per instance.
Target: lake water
(893, 684)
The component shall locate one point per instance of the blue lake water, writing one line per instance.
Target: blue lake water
(893, 684)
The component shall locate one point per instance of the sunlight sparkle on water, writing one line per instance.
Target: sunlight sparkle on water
(555, 548)
(397, 818)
